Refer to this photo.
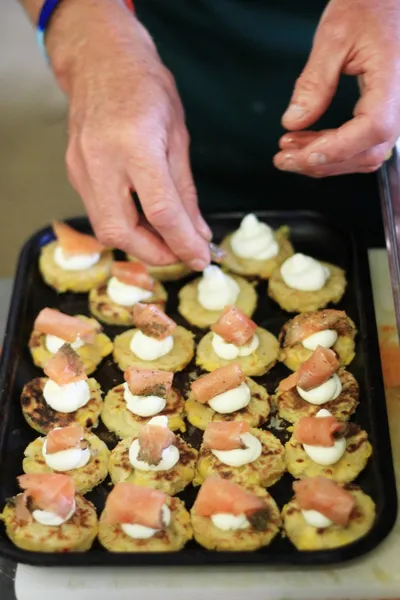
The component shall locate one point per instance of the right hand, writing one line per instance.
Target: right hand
(126, 132)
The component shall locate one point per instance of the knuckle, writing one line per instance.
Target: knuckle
(308, 82)
(375, 157)
(381, 129)
(111, 235)
(333, 31)
(161, 213)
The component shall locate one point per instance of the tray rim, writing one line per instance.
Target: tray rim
(193, 557)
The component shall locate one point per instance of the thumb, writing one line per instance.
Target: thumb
(318, 82)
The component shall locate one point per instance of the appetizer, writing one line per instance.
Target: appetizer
(255, 249)
(302, 284)
(155, 458)
(145, 394)
(129, 284)
(172, 272)
(141, 519)
(226, 516)
(318, 383)
(70, 450)
(65, 397)
(324, 514)
(227, 394)
(53, 328)
(235, 337)
(48, 516)
(75, 262)
(156, 343)
(202, 301)
(321, 445)
(241, 454)
(329, 328)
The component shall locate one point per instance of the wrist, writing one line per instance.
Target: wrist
(70, 32)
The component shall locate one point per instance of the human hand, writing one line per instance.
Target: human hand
(355, 37)
(126, 132)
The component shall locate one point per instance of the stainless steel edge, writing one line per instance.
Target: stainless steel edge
(389, 189)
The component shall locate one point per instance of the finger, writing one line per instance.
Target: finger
(318, 82)
(112, 213)
(165, 211)
(365, 162)
(179, 163)
(296, 140)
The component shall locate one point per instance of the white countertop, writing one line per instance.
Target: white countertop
(374, 577)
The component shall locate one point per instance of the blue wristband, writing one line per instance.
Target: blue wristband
(45, 15)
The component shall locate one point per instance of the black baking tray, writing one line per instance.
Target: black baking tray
(311, 234)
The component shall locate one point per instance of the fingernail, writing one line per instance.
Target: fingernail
(287, 140)
(295, 112)
(316, 159)
(198, 264)
(289, 164)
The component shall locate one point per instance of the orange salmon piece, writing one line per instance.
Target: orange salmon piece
(65, 366)
(54, 492)
(234, 327)
(303, 326)
(74, 242)
(219, 495)
(219, 381)
(134, 504)
(53, 322)
(64, 438)
(153, 439)
(146, 382)
(321, 365)
(318, 431)
(225, 435)
(325, 496)
(133, 273)
(152, 321)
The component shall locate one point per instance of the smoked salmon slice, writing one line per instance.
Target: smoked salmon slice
(53, 322)
(132, 273)
(225, 435)
(219, 495)
(325, 496)
(153, 439)
(134, 504)
(235, 327)
(54, 492)
(302, 326)
(318, 431)
(74, 242)
(219, 381)
(64, 438)
(65, 366)
(152, 321)
(321, 365)
(145, 382)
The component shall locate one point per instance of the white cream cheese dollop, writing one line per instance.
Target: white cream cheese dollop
(126, 295)
(326, 338)
(230, 351)
(323, 455)
(78, 262)
(46, 517)
(232, 400)
(304, 273)
(254, 240)
(325, 392)
(170, 455)
(148, 348)
(316, 519)
(53, 343)
(66, 460)
(216, 290)
(241, 456)
(229, 522)
(143, 406)
(66, 398)
(141, 532)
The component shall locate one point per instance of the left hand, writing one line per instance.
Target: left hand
(354, 37)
